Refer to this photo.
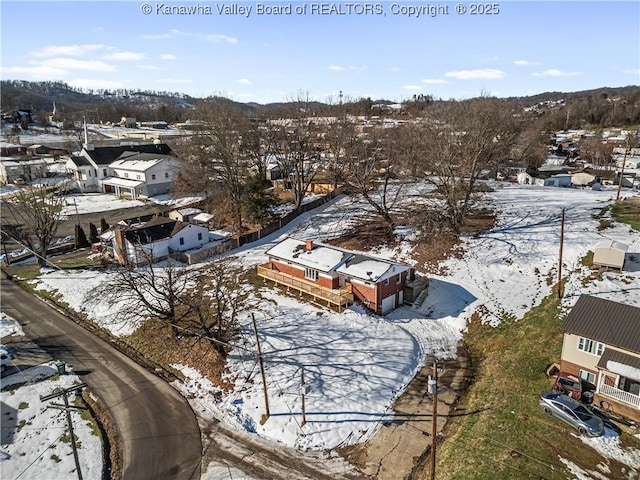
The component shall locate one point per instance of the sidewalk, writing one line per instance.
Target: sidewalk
(405, 442)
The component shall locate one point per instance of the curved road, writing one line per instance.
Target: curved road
(158, 432)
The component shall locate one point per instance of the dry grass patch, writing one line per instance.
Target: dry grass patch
(156, 342)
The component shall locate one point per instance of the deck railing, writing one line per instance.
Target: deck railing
(339, 297)
(620, 395)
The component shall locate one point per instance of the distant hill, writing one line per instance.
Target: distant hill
(101, 105)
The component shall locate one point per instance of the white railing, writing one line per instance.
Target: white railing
(619, 395)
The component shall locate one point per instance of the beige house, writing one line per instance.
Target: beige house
(601, 345)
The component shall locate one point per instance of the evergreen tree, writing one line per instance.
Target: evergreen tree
(104, 226)
(258, 201)
(93, 234)
(81, 238)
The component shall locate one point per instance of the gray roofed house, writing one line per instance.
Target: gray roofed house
(601, 345)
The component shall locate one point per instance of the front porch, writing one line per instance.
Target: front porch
(339, 298)
(620, 401)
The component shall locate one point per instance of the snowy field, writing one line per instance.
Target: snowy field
(356, 364)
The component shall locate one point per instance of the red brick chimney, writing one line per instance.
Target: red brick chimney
(308, 245)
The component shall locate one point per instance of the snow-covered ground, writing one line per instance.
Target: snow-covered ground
(35, 439)
(355, 364)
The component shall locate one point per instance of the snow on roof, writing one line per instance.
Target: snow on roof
(121, 182)
(612, 244)
(367, 268)
(321, 257)
(189, 211)
(136, 165)
(203, 217)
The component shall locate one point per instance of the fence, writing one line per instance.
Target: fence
(236, 242)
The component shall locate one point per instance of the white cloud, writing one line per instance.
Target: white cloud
(67, 50)
(525, 63)
(412, 87)
(126, 56)
(221, 38)
(40, 71)
(632, 71)
(75, 64)
(168, 56)
(434, 81)
(94, 83)
(336, 68)
(244, 81)
(552, 72)
(486, 73)
(395, 69)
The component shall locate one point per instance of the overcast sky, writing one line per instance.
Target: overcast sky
(380, 50)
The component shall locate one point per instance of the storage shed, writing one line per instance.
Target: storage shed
(610, 253)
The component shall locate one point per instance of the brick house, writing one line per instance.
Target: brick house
(601, 345)
(338, 276)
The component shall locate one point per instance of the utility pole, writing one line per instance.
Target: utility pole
(560, 260)
(302, 391)
(264, 378)
(433, 387)
(67, 408)
(624, 161)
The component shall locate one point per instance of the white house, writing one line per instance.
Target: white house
(153, 240)
(560, 180)
(92, 169)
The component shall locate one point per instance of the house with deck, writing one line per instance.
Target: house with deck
(340, 277)
(601, 345)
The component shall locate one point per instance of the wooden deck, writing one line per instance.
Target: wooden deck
(339, 298)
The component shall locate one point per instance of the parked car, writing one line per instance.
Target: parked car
(573, 386)
(572, 412)
(5, 358)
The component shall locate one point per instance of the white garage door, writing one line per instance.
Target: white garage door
(388, 304)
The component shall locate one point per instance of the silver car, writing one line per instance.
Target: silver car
(572, 412)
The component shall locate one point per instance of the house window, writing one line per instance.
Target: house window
(386, 281)
(126, 174)
(199, 235)
(590, 346)
(104, 172)
(311, 274)
(628, 385)
(181, 241)
(89, 172)
(166, 174)
(588, 376)
(398, 279)
(137, 176)
(153, 176)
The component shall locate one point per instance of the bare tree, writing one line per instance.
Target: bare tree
(217, 302)
(33, 213)
(214, 160)
(371, 170)
(457, 143)
(155, 290)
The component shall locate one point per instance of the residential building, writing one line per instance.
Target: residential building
(338, 276)
(153, 240)
(601, 345)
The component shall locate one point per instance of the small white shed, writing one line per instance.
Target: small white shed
(610, 253)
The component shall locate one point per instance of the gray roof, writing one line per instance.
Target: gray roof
(605, 321)
(618, 357)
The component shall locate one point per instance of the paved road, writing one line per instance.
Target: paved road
(159, 433)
